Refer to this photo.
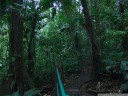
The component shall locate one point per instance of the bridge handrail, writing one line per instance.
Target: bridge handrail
(60, 84)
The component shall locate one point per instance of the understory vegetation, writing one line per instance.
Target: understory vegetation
(36, 36)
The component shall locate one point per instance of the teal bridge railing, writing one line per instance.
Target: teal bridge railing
(59, 86)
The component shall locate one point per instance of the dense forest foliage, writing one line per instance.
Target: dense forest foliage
(86, 40)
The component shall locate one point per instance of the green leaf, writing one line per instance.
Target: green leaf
(124, 87)
(15, 94)
(13, 59)
(124, 65)
(32, 92)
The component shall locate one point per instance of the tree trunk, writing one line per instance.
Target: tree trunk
(31, 47)
(125, 44)
(122, 24)
(90, 30)
(121, 9)
(16, 50)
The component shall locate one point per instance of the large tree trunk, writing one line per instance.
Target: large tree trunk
(90, 30)
(16, 50)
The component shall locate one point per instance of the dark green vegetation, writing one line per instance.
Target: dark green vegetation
(84, 37)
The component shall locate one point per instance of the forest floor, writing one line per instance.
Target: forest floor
(91, 88)
(109, 83)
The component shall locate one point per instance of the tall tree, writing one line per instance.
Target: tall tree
(90, 30)
(31, 43)
(122, 24)
(21, 76)
(121, 9)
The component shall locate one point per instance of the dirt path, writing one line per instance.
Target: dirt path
(73, 86)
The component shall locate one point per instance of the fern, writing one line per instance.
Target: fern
(124, 87)
(30, 92)
(15, 94)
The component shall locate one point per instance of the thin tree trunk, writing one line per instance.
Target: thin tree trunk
(31, 47)
(98, 26)
(121, 9)
(90, 30)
